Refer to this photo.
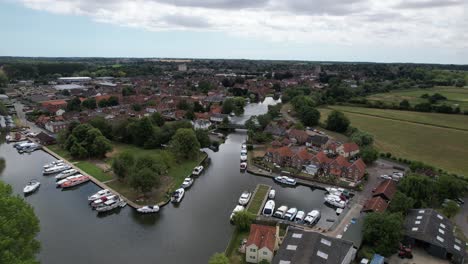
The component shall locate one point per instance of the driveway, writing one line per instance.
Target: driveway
(461, 219)
(419, 257)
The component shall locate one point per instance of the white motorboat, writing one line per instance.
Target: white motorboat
(272, 194)
(280, 211)
(244, 151)
(187, 183)
(103, 199)
(243, 165)
(99, 194)
(110, 205)
(238, 208)
(290, 214)
(148, 209)
(286, 180)
(178, 195)
(299, 217)
(69, 178)
(269, 208)
(312, 217)
(197, 170)
(56, 169)
(31, 187)
(53, 163)
(244, 146)
(243, 157)
(335, 201)
(65, 174)
(245, 198)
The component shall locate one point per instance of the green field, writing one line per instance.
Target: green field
(454, 96)
(442, 141)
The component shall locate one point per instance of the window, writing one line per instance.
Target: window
(439, 216)
(297, 235)
(419, 217)
(322, 254)
(442, 225)
(441, 231)
(456, 247)
(253, 250)
(440, 239)
(421, 211)
(325, 242)
(414, 229)
(291, 247)
(265, 253)
(417, 222)
(252, 257)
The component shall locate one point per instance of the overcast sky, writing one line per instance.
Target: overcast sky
(432, 31)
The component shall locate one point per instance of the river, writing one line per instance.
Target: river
(188, 233)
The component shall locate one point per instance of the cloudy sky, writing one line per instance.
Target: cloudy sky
(433, 31)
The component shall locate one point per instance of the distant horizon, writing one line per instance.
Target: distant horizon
(394, 31)
(247, 59)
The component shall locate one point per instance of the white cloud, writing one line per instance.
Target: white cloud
(393, 23)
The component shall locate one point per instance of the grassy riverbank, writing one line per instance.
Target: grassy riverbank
(257, 200)
(101, 170)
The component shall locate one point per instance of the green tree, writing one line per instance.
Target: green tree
(157, 119)
(3, 78)
(337, 121)
(190, 115)
(369, 154)
(89, 103)
(400, 203)
(103, 125)
(450, 209)
(113, 101)
(405, 104)
(78, 151)
(19, 228)
(450, 187)
(309, 116)
(218, 258)
(184, 144)
(144, 180)
(228, 106)
(127, 91)
(383, 232)
(3, 109)
(141, 131)
(137, 107)
(74, 105)
(122, 164)
(362, 138)
(243, 220)
(203, 138)
(420, 188)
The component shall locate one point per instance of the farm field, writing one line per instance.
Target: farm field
(455, 95)
(396, 132)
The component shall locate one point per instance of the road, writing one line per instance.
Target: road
(22, 116)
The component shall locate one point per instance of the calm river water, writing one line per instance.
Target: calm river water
(189, 233)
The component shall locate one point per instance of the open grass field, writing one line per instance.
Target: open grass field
(396, 132)
(455, 95)
(256, 202)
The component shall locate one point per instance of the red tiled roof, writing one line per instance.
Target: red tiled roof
(262, 236)
(350, 147)
(375, 204)
(386, 188)
(322, 157)
(303, 154)
(342, 162)
(54, 102)
(300, 135)
(102, 97)
(360, 164)
(285, 152)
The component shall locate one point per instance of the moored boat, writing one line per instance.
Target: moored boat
(75, 181)
(269, 208)
(245, 198)
(65, 174)
(148, 209)
(100, 201)
(312, 217)
(238, 208)
(31, 187)
(56, 169)
(299, 217)
(53, 163)
(110, 205)
(285, 180)
(280, 211)
(59, 182)
(243, 165)
(178, 195)
(272, 194)
(197, 170)
(99, 194)
(290, 214)
(187, 183)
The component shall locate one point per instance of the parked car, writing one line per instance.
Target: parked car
(385, 176)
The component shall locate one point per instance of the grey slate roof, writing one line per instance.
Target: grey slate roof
(430, 226)
(318, 140)
(354, 232)
(301, 247)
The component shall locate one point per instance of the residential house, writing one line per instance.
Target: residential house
(56, 127)
(348, 150)
(282, 156)
(322, 161)
(386, 190)
(317, 141)
(45, 139)
(356, 171)
(305, 247)
(301, 158)
(261, 244)
(53, 106)
(275, 130)
(435, 233)
(218, 118)
(339, 166)
(375, 204)
(298, 136)
(201, 124)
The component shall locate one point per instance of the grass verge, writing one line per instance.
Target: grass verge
(257, 201)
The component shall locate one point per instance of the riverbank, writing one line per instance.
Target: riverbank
(102, 176)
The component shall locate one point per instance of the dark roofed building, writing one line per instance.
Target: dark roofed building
(318, 141)
(354, 231)
(432, 231)
(301, 247)
(45, 139)
(386, 189)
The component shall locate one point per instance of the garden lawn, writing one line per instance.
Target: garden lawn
(445, 148)
(454, 95)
